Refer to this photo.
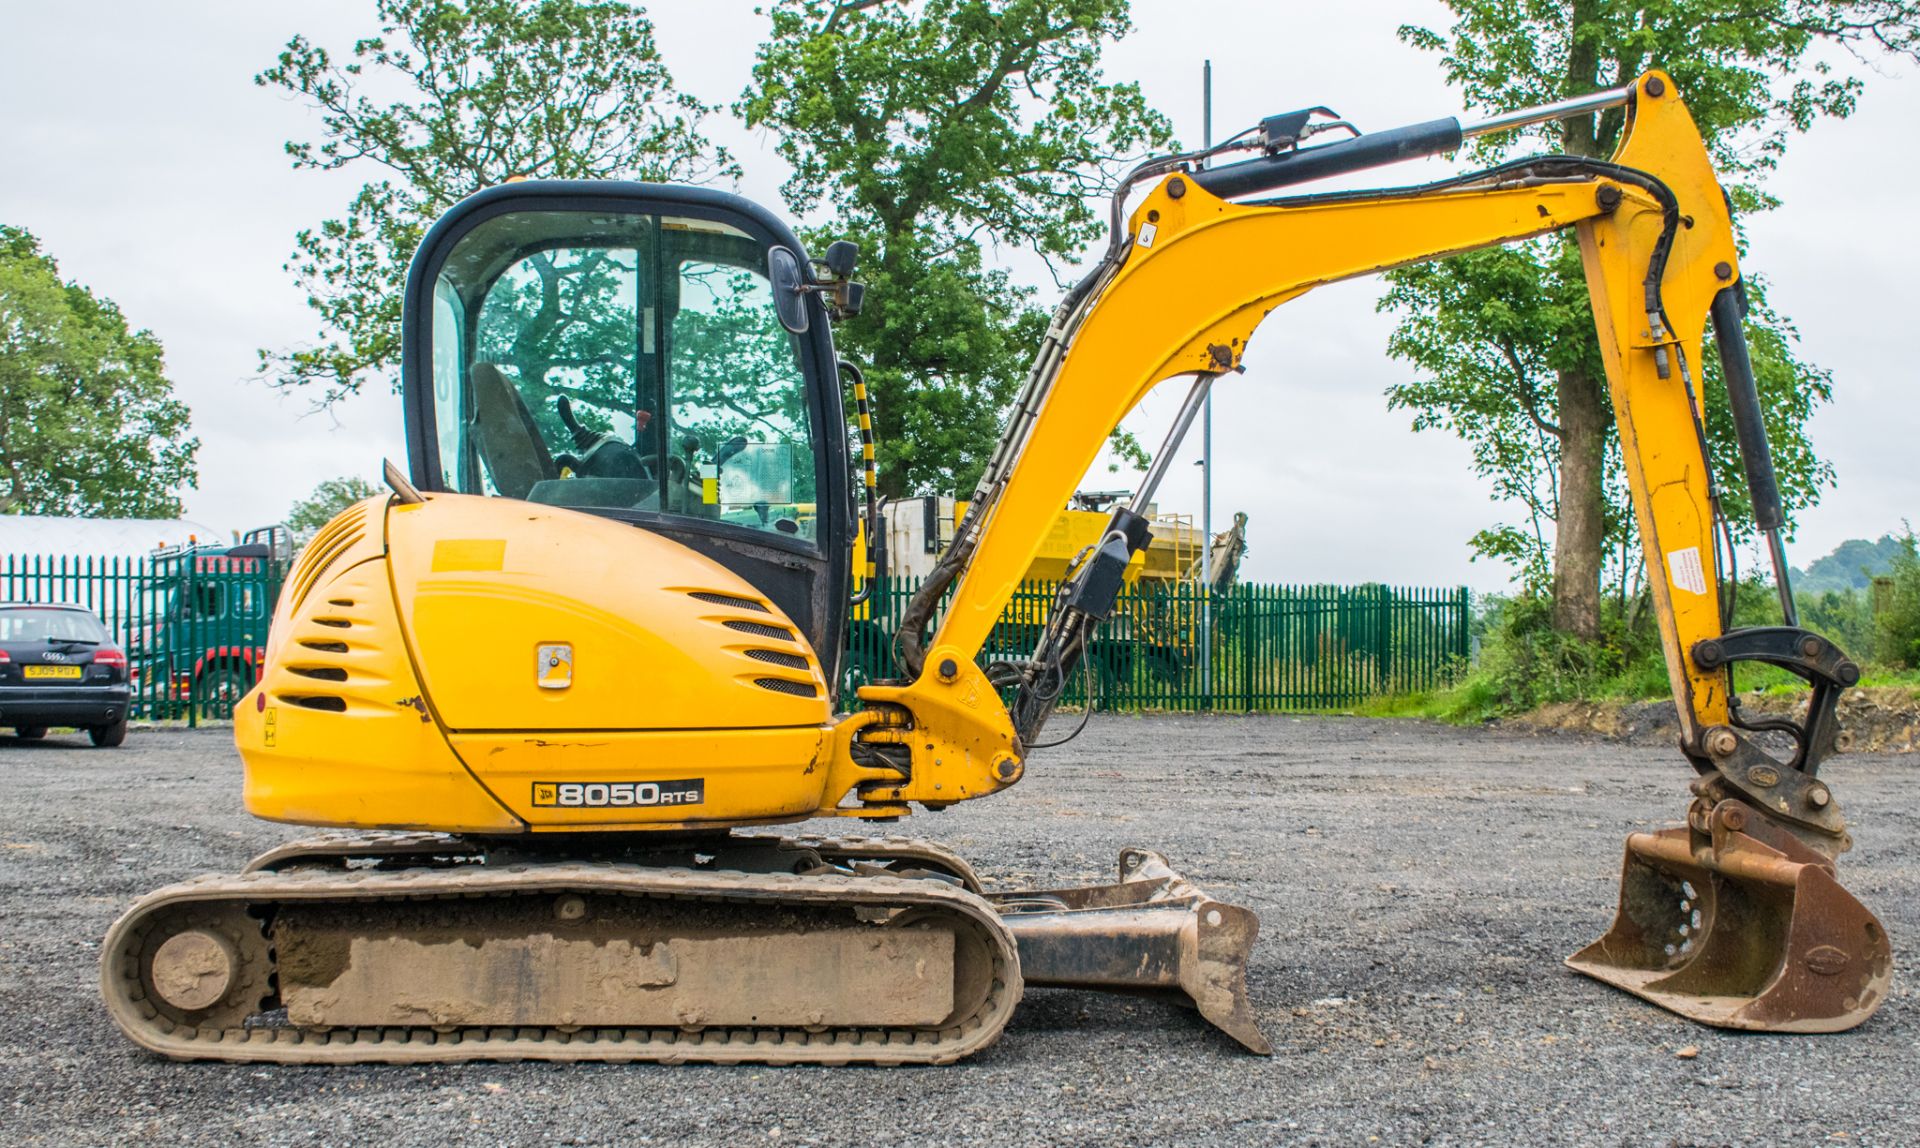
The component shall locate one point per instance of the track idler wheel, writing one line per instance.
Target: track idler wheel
(1743, 927)
(199, 967)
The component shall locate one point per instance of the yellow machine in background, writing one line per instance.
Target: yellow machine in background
(920, 530)
(1169, 577)
(596, 631)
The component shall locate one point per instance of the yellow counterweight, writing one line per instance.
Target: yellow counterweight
(481, 665)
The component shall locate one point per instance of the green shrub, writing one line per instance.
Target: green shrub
(1897, 617)
(1843, 616)
(1524, 662)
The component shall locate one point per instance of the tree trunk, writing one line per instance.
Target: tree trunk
(888, 382)
(1580, 530)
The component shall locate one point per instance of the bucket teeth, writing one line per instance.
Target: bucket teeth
(1745, 929)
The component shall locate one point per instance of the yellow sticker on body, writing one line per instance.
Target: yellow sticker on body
(451, 554)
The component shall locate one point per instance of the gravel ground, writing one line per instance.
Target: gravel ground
(1418, 887)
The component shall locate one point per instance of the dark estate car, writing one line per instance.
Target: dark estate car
(59, 667)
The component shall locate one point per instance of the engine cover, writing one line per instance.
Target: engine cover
(533, 618)
(486, 665)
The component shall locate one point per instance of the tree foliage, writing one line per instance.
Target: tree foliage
(552, 89)
(88, 421)
(1504, 340)
(328, 500)
(931, 130)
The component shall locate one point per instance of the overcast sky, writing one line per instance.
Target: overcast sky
(135, 145)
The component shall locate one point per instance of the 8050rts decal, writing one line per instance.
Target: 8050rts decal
(618, 794)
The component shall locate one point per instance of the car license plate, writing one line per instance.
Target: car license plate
(70, 672)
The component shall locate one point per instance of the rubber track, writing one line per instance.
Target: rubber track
(125, 998)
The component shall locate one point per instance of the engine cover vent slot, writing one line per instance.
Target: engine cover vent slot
(324, 647)
(788, 686)
(328, 702)
(759, 629)
(730, 600)
(334, 539)
(779, 658)
(337, 623)
(321, 673)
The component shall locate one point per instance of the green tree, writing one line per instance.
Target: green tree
(327, 500)
(88, 421)
(932, 129)
(488, 89)
(1503, 339)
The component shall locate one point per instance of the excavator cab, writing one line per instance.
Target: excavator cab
(620, 349)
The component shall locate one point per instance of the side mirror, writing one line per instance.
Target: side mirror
(789, 289)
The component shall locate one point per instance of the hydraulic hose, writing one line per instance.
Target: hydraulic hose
(1374, 149)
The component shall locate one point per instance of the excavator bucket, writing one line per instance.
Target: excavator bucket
(1153, 932)
(1744, 927)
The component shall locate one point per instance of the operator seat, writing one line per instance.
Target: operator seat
(504, 431)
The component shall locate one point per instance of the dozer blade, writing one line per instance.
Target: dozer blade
(1745, 927)
(1153, 933)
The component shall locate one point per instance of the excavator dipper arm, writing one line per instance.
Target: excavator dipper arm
(1188, 279)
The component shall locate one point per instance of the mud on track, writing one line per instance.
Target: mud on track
(1418, 887)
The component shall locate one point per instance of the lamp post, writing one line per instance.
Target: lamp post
(1206, 454)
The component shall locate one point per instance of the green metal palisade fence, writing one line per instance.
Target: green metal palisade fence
(1274, 647)
(194, 626)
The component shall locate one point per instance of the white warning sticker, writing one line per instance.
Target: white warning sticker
(1684, 567)
(1147, 232)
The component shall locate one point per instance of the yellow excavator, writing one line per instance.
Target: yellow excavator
(592, 637)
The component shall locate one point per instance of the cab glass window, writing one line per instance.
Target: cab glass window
(739, 400)
(447, 390)
(624, 362)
